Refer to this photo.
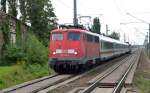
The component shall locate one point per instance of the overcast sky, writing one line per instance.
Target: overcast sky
(111, 12)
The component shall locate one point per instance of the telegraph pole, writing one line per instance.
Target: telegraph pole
(124, 37)
(149, 41)
(107, 29)
(75, 20)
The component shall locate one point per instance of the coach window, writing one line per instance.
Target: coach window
(74, 36)
(57, 36)
(107, 45)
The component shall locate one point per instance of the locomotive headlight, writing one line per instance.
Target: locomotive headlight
(75, 53)
(54, 53)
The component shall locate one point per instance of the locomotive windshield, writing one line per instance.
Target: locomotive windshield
(73, 36)
(57, 36)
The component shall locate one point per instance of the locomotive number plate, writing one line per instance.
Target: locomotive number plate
(65, 51)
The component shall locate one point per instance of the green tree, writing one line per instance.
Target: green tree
(13, 7)
(3, 5)
(41, 16)
(115, 35)
(50, 21)
(96, 25)
(39, 13)
(23, 10)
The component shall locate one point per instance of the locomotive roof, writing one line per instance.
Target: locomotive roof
(103, 38)
(62, 30)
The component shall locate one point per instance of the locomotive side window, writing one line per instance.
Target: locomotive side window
(89, 38)
(96, 38)
(57, 36)
(74, 36)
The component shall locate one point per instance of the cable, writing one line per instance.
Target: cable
(137, 18)
(117, 7)
(82, 4)
(67, 6)
(140, 32)
(64, 4)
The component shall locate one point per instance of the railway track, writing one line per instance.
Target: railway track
(36, 85)
(51, 83)
(105, 83)
(39, 84)
(81, 80)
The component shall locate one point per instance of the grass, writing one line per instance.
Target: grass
(142, 75)
(14, 75)
(6, 69)
(142, 84)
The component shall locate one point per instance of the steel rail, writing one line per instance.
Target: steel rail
(28, 83)
(94, 85)
(47, 90)
(9, 90)
(122, 80)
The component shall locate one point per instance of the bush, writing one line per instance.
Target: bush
(13, 55)
(31, 51)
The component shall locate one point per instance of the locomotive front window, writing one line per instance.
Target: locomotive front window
(73, 36)
(57, 36)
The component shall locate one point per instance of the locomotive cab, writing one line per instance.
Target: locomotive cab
(66, 44)
(66, 48)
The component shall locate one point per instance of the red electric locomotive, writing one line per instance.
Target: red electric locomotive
(72, 48)
(75, 49)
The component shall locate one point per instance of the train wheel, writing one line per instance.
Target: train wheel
(80, 68)
(76, 69)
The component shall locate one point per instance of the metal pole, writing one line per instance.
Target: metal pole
(124, 37)
(107, 30)
(149, 41)
(75, 20)
(147, 44)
